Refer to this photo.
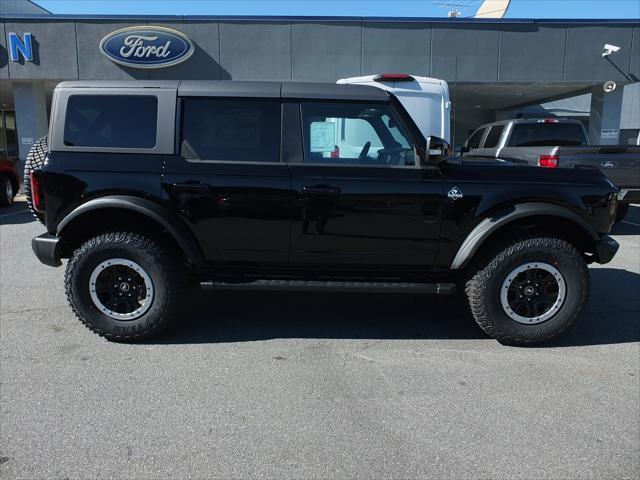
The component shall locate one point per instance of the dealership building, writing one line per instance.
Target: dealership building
(496, 69)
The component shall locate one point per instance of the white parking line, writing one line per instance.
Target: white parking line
(631, 223)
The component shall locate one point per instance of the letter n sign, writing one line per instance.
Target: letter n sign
(20, 46)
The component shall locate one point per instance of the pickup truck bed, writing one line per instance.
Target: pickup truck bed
(529, 141)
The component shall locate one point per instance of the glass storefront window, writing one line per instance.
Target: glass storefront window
(8, 135)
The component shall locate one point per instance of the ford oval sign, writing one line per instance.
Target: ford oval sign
(146, 47)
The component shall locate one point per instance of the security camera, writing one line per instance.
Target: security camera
(609, 49)
(609, 86)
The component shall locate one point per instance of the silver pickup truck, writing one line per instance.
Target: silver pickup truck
(555, 143)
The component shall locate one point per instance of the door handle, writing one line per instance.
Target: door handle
(191, 187)
(320, 190)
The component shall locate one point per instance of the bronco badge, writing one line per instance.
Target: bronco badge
(455, 193)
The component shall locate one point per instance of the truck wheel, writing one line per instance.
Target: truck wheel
(7, 191)
(621, 212)
(529, 290)
(125, 286)
(35, 160)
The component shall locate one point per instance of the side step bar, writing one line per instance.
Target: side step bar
(333, 286)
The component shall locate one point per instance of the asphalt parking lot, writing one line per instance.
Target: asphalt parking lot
(315, 385)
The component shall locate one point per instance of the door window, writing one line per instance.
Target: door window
(475, 138)
(493, 137)
(355, 134)
(231, 130)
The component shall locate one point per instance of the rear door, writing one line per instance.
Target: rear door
(360, 195)
(228, 182)
(491, 142)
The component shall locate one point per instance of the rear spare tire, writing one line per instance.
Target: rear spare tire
(35, 159)
(529, 290)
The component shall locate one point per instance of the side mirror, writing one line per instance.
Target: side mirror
(437, 150)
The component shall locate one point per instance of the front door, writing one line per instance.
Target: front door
(228, 183)
(360, 197)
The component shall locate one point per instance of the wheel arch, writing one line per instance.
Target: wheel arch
(126, 213)
(549, 218)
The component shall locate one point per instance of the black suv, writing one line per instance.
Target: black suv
(256, 185)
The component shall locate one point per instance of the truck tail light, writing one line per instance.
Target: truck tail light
(336, 152)
(548, 161)
(393, 77)
(36, 195)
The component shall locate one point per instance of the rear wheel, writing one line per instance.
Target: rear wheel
(35, 159)
(529, 290)
(7, 191)
(125, 286)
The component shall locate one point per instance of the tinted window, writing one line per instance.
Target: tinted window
(350, 133)
(231, 130)
(117, 121)
(474, 140)
(493, 137)
(547, 134)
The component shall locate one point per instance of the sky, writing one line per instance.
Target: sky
(592, 9)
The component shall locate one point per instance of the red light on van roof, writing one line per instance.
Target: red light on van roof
(393, 77)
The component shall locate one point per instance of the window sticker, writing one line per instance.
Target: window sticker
(323, 136)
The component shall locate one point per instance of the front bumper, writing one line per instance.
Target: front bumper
(605, 249)
(47, 249)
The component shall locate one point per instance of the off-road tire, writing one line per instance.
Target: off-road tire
(621, 212)
(35, 160)
(489, 271)
(6, 198)
(166, 270)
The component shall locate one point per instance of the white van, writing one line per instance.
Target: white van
(425, 99)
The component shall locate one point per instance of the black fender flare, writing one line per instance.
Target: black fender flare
(491, 224)
(156, 212)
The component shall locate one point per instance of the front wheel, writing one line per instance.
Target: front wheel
(125, 286)
(529, 290)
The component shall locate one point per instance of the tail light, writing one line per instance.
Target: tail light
(336, 152)
(393, 77)
(548, 161)
(549, 120)
(36, 195)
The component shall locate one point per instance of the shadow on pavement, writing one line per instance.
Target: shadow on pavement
(630, 224)
(252, 316)
(16, 214)
(612, 314)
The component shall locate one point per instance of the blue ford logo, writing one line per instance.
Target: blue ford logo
(147, 47)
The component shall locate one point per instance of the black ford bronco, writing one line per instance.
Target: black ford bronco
(255, 185)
